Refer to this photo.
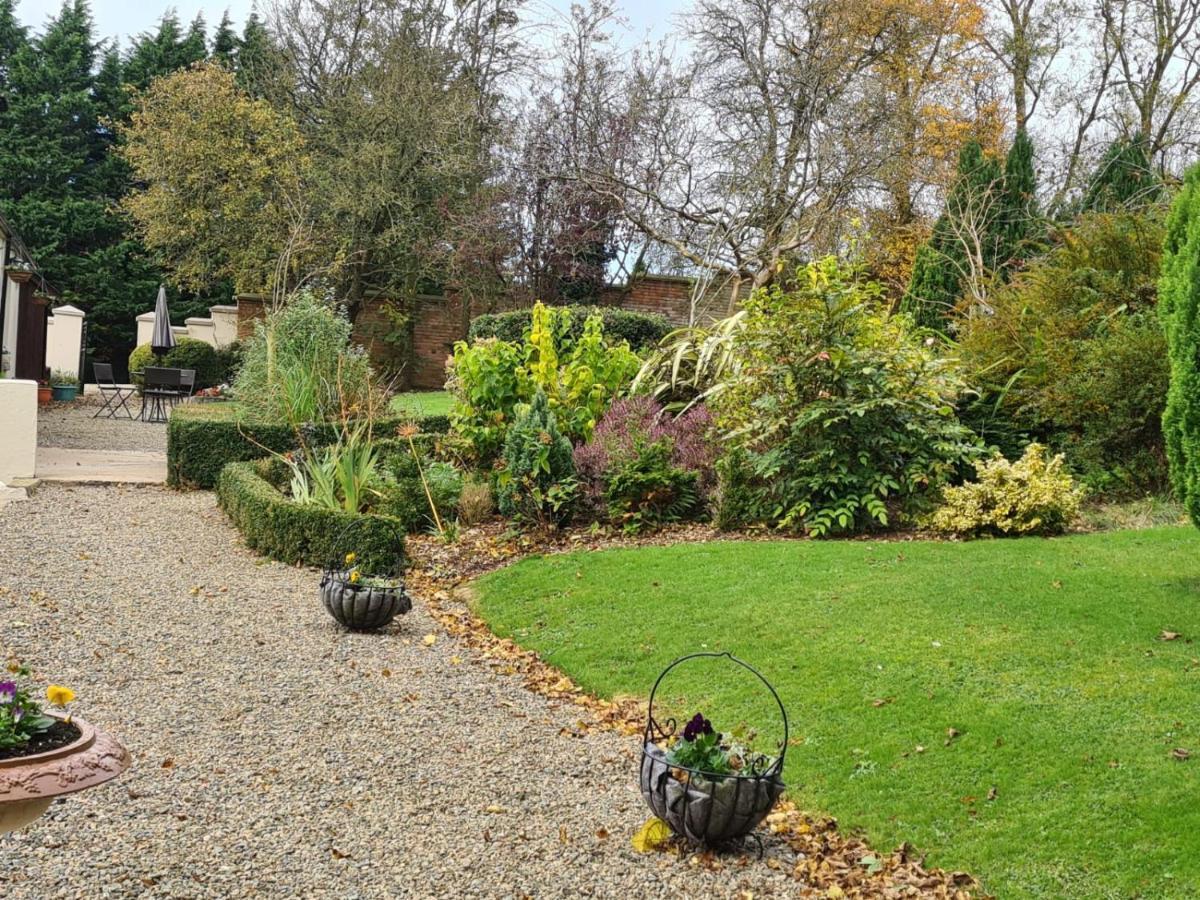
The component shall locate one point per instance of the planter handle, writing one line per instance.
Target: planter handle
(337, 564)
(652, 727)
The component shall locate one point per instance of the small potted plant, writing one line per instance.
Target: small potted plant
(45, 392)
(46, 755)
(362, 601)
(64, 385)
(707, 786)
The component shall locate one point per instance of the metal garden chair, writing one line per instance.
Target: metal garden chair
(115, 396)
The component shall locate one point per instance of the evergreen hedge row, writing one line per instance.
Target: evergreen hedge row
(271, 524)
(203, 437)
(643, 331)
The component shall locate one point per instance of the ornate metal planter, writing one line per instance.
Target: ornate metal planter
(361, 607)
(700, 806)
(29, 784)
(359, 604)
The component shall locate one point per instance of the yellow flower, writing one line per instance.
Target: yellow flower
(350, 558)
(59, 696)
(354, 577)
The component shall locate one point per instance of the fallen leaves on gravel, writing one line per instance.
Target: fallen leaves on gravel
(827, 862)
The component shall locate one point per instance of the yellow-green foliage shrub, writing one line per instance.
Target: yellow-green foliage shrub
(1033, 495)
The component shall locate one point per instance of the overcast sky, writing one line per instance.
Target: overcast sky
(124, 18)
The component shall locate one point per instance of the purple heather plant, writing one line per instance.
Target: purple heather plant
(638, 421)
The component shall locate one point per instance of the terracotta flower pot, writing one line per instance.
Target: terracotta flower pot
(29, 784)
(45, 394)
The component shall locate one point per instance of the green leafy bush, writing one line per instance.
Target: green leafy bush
(841, 415)
(291, 532)
(641, 331)
(537, 483)
(648, 490)
(299, 367)
(211, 367)
(402, 494)
(1030, 496)
(579, 377)
(1073, 355)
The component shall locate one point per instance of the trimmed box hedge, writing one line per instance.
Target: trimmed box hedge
(203, 437)
(275, 526)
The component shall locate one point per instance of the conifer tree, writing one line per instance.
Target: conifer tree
(1124, 178)
(1019, 221)
(225, 42)
(943, 262)
(1179, 307)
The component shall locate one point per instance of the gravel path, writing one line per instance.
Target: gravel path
(276, 755)
(72, 425)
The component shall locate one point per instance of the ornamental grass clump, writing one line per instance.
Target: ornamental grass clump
(1033, 495)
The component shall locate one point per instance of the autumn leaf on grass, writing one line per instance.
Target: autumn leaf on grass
(1180, 754)
(1165, 635)
(653, 835)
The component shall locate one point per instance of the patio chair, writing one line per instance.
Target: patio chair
(115, 396)
(187, 384)
(161, 388)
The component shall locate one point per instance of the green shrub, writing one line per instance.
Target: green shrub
(1179, 291)
(648, 490)
(537, 484)
(188, 353)
(691, 364)
(275, 526)
(1031, 496)
(203, 437)
(299, 367)
(579, 377)
(1073, 355)
(841, 415)
(402, 493)
(641, 331)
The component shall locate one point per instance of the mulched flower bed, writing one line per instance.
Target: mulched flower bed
(827, 862)
(57, 735)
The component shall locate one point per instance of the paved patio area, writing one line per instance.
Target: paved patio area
(75, 446)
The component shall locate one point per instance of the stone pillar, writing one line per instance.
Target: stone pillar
(64, 337)
(145, 328)
(225, 324)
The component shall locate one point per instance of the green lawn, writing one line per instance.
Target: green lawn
(423, 403)
(1042, 654)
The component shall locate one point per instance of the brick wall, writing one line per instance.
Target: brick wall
(440, 321)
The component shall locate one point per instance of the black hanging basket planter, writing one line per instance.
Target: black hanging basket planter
(700, 806)
(362, 606)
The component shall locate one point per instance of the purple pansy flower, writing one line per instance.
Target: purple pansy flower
(18, 713)
(8, 691)
(696, 727)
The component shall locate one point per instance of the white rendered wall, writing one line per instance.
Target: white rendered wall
(201, 330)
(18, 428)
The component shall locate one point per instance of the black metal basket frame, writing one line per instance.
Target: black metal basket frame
(337, 570)
(659, 734)
(761, 781)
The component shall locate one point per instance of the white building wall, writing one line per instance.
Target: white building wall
(18, 428)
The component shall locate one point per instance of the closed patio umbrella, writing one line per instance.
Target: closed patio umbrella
(162, 338)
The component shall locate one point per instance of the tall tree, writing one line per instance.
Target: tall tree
(960, 256)
(165, 50)
(225, 42)
(1025, 37)
(1019, 221)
